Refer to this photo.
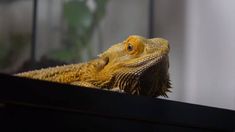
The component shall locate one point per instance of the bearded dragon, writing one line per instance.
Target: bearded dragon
(136, 66)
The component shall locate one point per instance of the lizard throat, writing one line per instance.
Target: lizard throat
(147, 78)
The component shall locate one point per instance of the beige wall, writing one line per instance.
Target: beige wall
(15, 17)
(202, 39)
(49, 26)
(210, 63)
(123, 20)
(170, 24)
(15, 21)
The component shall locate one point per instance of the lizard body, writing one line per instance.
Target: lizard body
(136, 66)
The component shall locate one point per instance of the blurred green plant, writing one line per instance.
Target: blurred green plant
(81, 22)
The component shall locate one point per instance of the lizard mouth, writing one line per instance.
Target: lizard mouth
(147, 62)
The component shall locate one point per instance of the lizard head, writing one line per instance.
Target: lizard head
(138, 66)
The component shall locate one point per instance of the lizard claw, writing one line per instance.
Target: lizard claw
(117, 90)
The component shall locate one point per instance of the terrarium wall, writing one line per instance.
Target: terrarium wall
(72, 31)
(15, 34)
(201, 36)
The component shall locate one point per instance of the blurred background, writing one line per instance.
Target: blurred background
(42, 33)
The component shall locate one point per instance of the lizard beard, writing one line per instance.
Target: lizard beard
(151, 79)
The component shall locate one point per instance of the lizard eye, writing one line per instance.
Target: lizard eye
(134, 46)
(129, 47)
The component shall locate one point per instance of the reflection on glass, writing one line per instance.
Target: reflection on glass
(15, 34)
(63, 35)
(80, 19)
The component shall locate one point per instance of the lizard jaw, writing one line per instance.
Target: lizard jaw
(147, 62)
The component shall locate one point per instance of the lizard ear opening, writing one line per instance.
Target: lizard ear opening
(102, 62)
(106, 60)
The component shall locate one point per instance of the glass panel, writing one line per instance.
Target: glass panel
(15, 33)
(201, 36)
(71, 27)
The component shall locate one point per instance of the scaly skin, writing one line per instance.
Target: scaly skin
(136, 66)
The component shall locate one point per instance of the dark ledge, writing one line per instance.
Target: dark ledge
(27, 104)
